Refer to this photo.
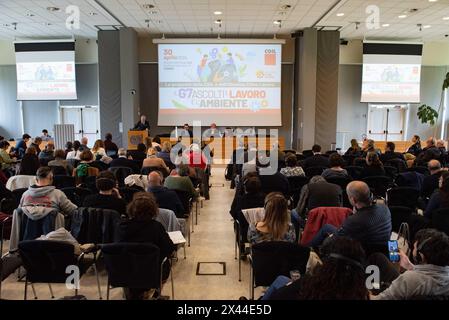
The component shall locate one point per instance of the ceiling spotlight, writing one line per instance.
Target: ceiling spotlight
(446, 18)
(427, 26)
(357, 25)
(5, 25)
(340, 14)
(217, 13)
(419, 25)
(53, 9)
(14, 24)
(218, 21)
(148, 6)
(402, 16)
(30, 15)
(47, 24)
(386, 25)
(285, 7)
(93, 14)
(277, 22)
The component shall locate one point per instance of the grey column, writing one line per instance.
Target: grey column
(118, 82)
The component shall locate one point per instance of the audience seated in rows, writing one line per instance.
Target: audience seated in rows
(354, 150)
(164, 154)
(98, 150)
(415, 149)
(30, 163)
(84, 143)
(440, 198)
(85, 168)
(47, 154)
(431, 182)
(369, 146)
(59, 161)
(317, 160)
(109, 146)
(370, 224)
(108, 197)
(153, 161)
(430, 152)
(318, 193)
(179, 180)
(276, 225)
(292, 169)
(336, 163)
(140, 154)
(123, 161)
(373, 166)
(142, 228)
(339, 275)
(39, 201)
(167, 199)
(390, 153)
(36, 145)
(76, 152)
(427, 276)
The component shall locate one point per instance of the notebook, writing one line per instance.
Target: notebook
(177, 237)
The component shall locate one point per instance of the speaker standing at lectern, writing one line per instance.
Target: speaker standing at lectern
(143, 124)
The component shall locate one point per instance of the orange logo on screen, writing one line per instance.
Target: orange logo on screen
(270, 57)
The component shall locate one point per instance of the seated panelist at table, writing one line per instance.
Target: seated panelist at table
(143, 124)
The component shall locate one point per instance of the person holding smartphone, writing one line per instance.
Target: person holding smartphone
(427, 275)
(108, 197)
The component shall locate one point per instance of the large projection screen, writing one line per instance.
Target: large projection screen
(391, 73)
(226, 84)
(46, 70)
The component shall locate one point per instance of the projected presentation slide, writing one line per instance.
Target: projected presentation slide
(391, 83)
(229, 84)
(45, 75)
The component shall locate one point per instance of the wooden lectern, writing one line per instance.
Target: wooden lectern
(135, 138)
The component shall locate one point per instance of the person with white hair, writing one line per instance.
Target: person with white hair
(123, 161)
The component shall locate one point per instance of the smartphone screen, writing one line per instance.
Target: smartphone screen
(393, 250)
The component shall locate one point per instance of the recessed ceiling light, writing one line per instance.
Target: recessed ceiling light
(433, 0)
(53, 9)
(148, 6)
(93, 13)
(218, 21)
(446, 18)
(278, 22)
(340, 14)
(427, 26)
(30, 15)
(402, 16)
(385, 25)
(286, 7)
(5, 25)
(217, 13)
(46, 24)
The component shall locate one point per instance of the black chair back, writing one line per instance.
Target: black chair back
(128, 193)
(186, 201)
(77, 195)
(399, 164)
(391, 172)
(147, 170)
(100, 165)
(58, 171)
(132, 265)
(355, 172)
(90, 183)
(121, 173)
(314, 171)
(349, 159)
(399, 215)
(378, 185)
(403, 196)
(296, 184)
(46, 261)
(440, 220)
(274, 258)
(300, 157)
(17, 194)
(423, 170)
(360, 162)
(340, 181)
(64, 181)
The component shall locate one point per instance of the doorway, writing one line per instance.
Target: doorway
(85, 119)
(386, 122)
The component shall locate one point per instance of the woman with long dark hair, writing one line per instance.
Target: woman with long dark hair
(341, 276)
(373, 166)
